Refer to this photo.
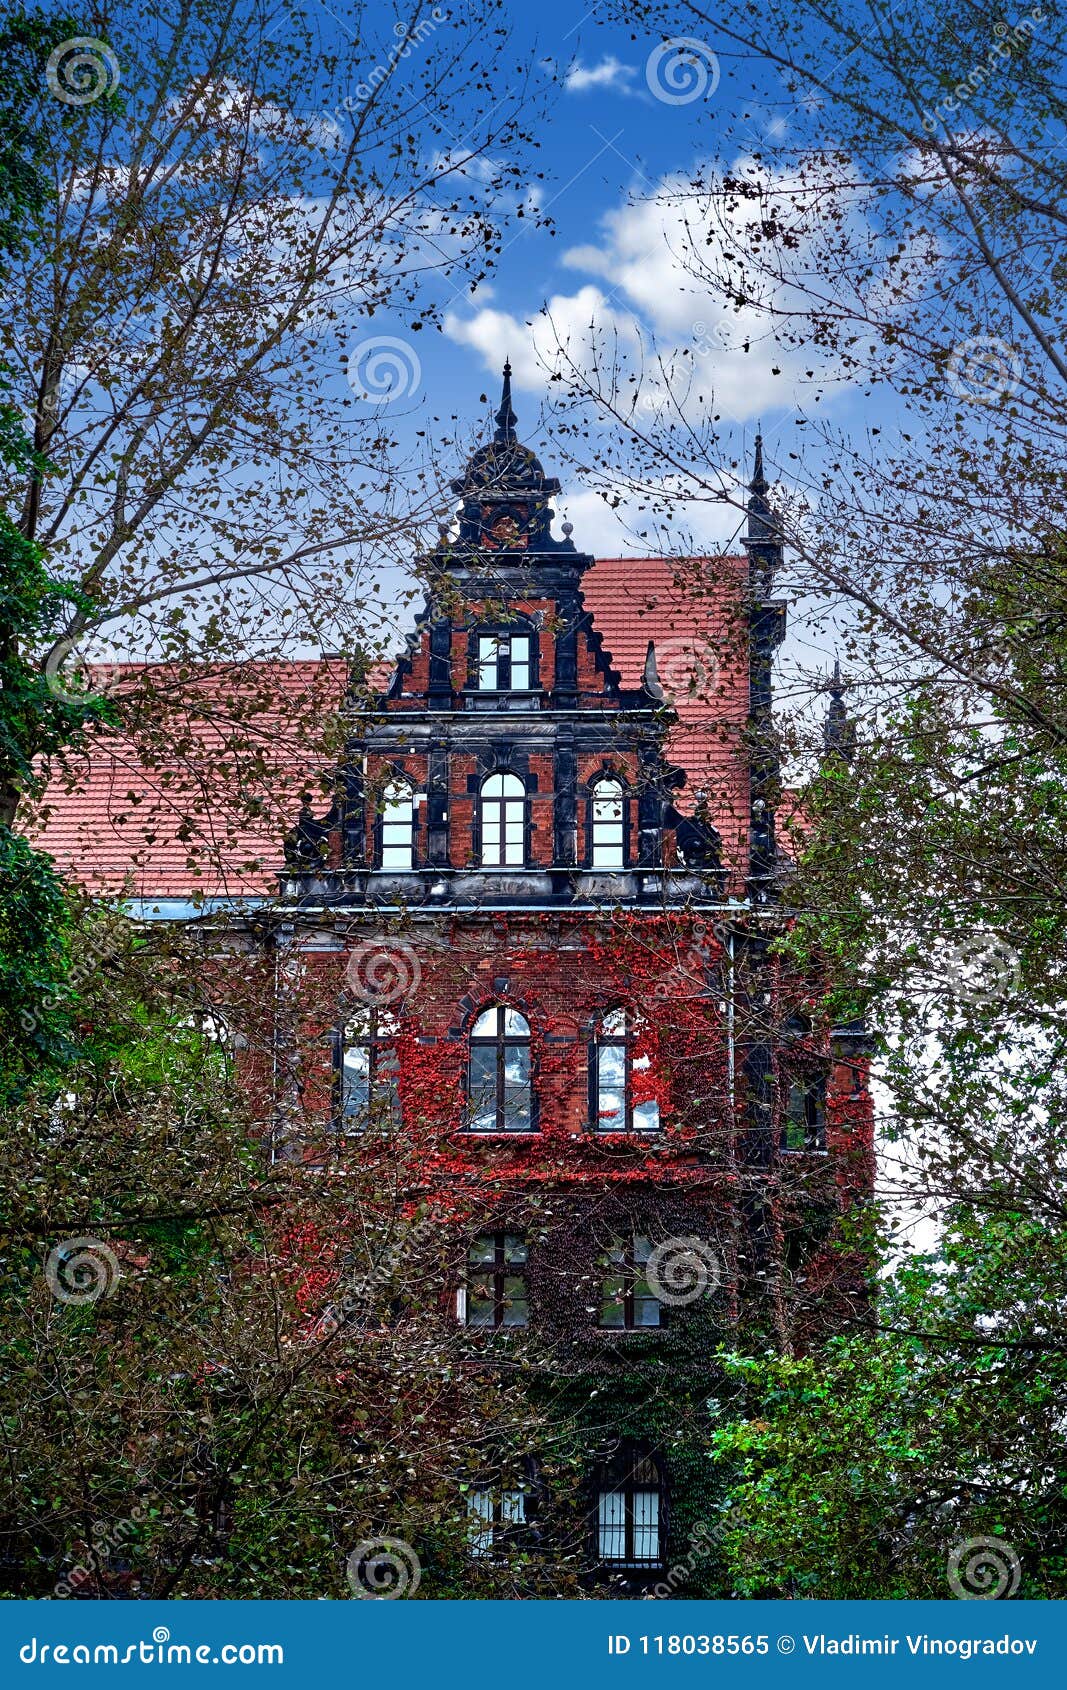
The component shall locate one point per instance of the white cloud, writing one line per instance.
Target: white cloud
(655, 524)
(609, 73)
(664, 328)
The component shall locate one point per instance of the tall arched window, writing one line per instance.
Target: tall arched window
(398, 826)
(369, 1072)
(607, 825)
(631, 1510)
(502, 820)
(499, 1088)
(622, 1082)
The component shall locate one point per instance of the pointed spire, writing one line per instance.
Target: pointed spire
(759, 483)
(505, 417)
(839, 733)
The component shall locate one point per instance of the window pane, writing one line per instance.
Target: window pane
(612, 1307)
(646, 1306)
(515, 1025)
(355, 1086)
(487, 662)
(486, 1024)
(483, 1087)
(482, 1250)
(481, 1302)
(646, 1525)
(513, 1508)
(480, 1522)
(611, 1065)
(514, 1247)
(794, 1134)
(611, 1526)
(613, 1024)
(517, 1109)
(646, 1117)
(516, 1063)
(516, 1304)
(611, 1111)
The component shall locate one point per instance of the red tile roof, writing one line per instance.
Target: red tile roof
(199, 804)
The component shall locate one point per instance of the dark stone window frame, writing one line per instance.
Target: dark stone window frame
(628, 1474)
(394, 775)
(503, 632)
(500, 1040)
(596, 1042)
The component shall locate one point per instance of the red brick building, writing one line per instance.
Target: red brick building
(531, 935)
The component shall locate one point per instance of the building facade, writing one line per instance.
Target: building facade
(529, 944)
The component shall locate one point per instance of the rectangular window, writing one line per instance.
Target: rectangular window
(626, 1301)
(804, 1127)
(628, 1532)
(504, 662)
(490, 1515)
(496, 1281)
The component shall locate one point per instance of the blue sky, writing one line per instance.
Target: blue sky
(609, 146)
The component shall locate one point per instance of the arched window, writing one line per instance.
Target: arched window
(631, 1510)
(607, 825)
(499, 1089)
(369, 1072)
(398, 826)
(502, 819)
(622, 1083)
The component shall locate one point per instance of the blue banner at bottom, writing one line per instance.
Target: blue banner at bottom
(578, 1643)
